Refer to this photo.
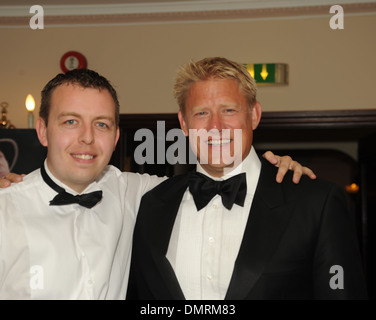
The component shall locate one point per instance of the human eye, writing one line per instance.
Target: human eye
(229, 110)
(70, 122)
(200, 113)
(104, 125)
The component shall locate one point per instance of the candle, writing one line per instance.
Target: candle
(30, 106)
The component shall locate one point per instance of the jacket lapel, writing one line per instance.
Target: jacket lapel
(267, 220)
(169, 203)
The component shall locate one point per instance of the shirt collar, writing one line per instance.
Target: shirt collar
(91, 187)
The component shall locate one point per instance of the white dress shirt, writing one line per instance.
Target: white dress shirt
(68, 252)
(204, 244)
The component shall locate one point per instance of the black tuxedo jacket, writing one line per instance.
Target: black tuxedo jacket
(294, 235)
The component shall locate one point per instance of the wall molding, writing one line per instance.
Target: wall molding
(107, 17)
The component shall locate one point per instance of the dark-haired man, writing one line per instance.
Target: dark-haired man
(56, 242)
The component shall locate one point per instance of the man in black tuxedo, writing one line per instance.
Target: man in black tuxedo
(247, 237)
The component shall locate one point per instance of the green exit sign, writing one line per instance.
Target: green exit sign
(268, 73)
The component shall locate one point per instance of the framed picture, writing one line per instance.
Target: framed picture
(20, 151)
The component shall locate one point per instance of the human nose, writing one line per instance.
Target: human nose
(215, 122)
(86, 134)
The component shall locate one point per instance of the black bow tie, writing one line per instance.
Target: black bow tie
(203, 189)
(87, 200)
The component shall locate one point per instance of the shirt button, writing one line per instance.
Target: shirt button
(209, 277)
(211, 240)
(215, 206)
(90, 282)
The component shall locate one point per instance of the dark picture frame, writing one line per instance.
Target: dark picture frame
(22, 150)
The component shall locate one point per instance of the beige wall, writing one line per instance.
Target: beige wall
(329, 69)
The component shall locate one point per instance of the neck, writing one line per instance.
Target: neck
(79, 188)
(218, 171)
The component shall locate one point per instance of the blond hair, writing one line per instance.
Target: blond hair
(213, 68)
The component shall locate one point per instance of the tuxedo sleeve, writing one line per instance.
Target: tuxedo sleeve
(337, 267)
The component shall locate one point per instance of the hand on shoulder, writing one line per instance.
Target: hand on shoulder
(10, 178)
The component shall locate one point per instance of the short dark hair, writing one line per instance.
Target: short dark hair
(84, 78)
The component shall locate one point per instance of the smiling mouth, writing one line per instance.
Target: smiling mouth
(83, 156)
(218, 142)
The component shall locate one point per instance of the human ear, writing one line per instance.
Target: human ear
(256, 114)
(183, 124)
(41, 129)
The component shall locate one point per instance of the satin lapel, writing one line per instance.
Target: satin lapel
(267, 220)
(165, 207)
